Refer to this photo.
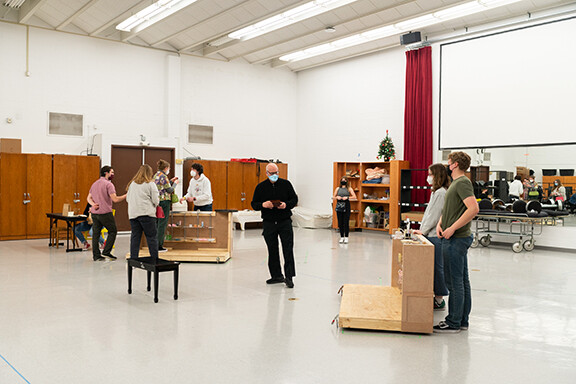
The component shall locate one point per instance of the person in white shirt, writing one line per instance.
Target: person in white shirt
(516, 188)
(199, 190)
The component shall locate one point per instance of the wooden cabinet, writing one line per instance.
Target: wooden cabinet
(384, 197)
(25, 195)
(73, 177)
(233, 182)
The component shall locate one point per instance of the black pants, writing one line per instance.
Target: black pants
(147, 225)
(161, 224)
(344, 223)
(103, 221)
(271, 231)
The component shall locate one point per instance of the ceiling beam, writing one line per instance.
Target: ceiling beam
(198, 45)
(76, 14)
(193, 26)
(121, 17)
(28, 9)
(356, 18)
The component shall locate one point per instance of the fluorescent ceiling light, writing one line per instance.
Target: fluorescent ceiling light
(13, 3)
(401, 27)
(294, 15)
(152, 14)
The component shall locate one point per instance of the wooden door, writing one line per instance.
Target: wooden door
(125, 161)
(12, 190)
(87, 172)
(235, 186)
(64, 172)
(217, 172)
(250, 181)
(39, 188)
(153, 154)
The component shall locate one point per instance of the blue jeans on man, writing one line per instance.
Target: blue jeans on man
(84, 227)
(455, 252)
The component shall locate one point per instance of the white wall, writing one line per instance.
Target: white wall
(344, 110)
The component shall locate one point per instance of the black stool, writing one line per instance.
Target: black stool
(151, 264)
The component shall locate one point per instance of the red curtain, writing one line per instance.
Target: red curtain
(418, 117)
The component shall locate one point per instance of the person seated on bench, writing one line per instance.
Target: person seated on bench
(86, 226)
(558, 192)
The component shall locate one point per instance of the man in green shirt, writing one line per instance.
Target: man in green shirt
(460, 207)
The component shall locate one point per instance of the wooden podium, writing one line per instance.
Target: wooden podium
(407, 305)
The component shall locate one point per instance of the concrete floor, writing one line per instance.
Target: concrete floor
(67, 319)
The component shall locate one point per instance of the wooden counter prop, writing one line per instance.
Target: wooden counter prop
(196, 236)
(407, 305)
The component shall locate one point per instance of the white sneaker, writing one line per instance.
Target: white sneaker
(345, 240)
(341, 240)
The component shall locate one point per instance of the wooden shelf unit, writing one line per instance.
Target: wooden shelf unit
(407, 304)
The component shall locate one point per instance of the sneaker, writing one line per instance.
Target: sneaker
(86, 246)
(464, 327)
(162, 249)
(443, 327)
(345, 240)
(110, 256)
(341, 240)
(99, 258)
(275, 280)
(439, 306)
(289, 282)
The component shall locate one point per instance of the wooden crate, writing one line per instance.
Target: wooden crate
(405, 306)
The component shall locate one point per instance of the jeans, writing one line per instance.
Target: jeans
(455, 252)
(203, 208)
(147, 225)
(161, 224)
(343, 222)
(439, 281)
(103, 221)
(271, 231)
(83, 227)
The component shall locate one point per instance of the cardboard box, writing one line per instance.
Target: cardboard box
(11, 145)
(523, 171)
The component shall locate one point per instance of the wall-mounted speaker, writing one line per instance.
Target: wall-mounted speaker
(410, 38)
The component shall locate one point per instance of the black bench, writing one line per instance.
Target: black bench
(151, 264)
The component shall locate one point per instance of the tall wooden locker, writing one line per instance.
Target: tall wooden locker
(216, 171)
(242, 180)
(25, 195)
(73, 177)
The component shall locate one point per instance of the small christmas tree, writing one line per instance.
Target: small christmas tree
(386, 149)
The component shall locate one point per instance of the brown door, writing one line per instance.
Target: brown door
(235, 198)
(153, 154)
(250, 181)
(64, 183)
(87, 172)
(39, 188)
(125, 162)
(12, 190)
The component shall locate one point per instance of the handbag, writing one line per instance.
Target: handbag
(175, 198)
(159, 212)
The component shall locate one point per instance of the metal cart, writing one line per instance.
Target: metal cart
(522, 228)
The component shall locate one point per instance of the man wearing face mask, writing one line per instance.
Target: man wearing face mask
(165, 190)
(101, 197)
(199, 190)
(275, 198)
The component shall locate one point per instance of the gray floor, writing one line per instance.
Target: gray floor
(66, 319)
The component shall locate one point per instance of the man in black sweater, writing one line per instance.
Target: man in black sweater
(276, 197)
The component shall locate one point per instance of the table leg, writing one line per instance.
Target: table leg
(149, 274)
(156, 277)
(176, 283)
(129, 279)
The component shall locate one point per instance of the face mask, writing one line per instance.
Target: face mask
(343, 183)
(448, 171)
(556, 184)
(430, 180)
(273, 178)
(168, 171)
(193, 173)
(110, 177)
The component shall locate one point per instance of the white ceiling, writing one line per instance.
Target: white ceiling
(191, 30)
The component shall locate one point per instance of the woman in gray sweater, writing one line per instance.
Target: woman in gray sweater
(439, 180)
(142, 199)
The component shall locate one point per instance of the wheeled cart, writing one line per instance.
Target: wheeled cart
(521, 228)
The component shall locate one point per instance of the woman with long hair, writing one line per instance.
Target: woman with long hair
(558, 192)
(165, 190)
(142, 199)
(342, 196)
(439, 180)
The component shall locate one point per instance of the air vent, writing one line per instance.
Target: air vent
(200, 134)
(13, 3)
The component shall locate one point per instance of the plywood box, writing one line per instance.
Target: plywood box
(523, 171)
(11, 145)
(413, 216)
